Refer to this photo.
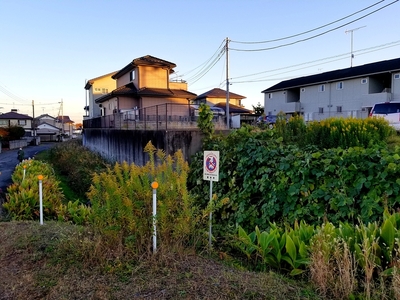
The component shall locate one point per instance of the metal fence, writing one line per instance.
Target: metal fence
(160, 117)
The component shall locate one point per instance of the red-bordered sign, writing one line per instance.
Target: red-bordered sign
(211, 165)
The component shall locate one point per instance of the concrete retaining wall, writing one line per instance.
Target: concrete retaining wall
(18, 144)
(128, 145)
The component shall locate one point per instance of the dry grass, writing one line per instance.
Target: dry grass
(61, 261)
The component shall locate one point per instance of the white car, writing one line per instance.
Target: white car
(390, 111)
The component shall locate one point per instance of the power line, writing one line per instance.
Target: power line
(314, 36)
(379, 47)
(308, 31)
(203, 65)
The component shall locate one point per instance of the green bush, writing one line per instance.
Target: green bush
(77, 165)
(22, 201)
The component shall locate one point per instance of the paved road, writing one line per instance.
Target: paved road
(8, 161)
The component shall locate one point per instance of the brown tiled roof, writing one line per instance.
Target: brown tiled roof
(131, 91)
(145, 60)
(218, 93)
(64, 119)
(233, 109)
(14, 116)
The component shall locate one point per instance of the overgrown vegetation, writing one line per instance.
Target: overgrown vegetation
(316, 202)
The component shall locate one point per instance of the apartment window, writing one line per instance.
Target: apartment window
(270, 96)
(98, 90)
(104, 91)
(320, 110)
(364, 81)
(339, 85)
(22, 122)
(321, 88)
(338, 109)
(396, 76)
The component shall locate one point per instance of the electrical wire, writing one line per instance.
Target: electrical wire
(308, 31)
(203, 65)
(314, 36)
(331, 59)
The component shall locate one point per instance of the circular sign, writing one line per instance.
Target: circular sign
(211, 163)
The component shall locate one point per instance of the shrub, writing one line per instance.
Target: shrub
(121, 199)
(22, 201)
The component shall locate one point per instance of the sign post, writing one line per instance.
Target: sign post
(211, 173)
(40, 177)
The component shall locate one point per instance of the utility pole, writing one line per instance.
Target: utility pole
(351, 49)
(33, 118)
(227, 84)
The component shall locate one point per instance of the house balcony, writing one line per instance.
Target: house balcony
(371, 99)
(291, 107)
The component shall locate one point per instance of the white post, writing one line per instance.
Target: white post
(210, 231)
(24, 173)
(154, 185)
(40, 177)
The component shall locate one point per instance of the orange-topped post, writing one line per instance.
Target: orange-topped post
(40, 177)
(154, 185)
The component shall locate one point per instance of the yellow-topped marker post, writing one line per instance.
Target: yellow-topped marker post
(40, 177)
(154, 185)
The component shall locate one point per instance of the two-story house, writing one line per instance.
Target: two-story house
(347, 92)
(144, 83)
(13, 118)
(96, 88)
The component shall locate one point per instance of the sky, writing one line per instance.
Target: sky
(48, 48)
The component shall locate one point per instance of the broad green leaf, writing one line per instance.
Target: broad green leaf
(291, 248)
(387, 233)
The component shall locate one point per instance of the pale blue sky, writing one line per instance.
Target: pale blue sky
(49, 48)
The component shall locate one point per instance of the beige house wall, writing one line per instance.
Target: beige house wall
(96, 91)
(157, 101)
(178, 85)
(27, 126)
(153, 77)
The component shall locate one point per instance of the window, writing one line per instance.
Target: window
(321, 88)
(339, 85)
(132, 75)
(3, 122)
(338, 109)
(270, 96)
(97, 90)
(320, 110)
(396, 76)
(104, 91)
(364, 81)
(22, 122)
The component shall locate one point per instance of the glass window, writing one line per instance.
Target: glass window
(22, 122)
(321, 110)
(322, 88)
(338, 109)
(339, 85)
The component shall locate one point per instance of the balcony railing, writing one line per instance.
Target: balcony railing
(160, 117)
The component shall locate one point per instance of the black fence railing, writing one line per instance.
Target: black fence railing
(160, 117)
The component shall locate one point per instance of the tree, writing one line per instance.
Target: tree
(258, 110)
(15, 133)
(204, 121)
